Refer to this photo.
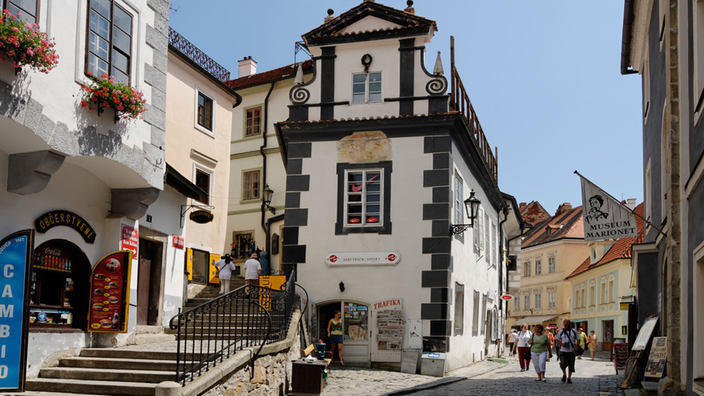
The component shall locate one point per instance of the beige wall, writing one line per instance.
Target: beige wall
(183, 139)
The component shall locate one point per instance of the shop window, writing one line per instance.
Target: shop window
(253, 120)
(250, 185)
(459, 309)
(201, 264)
(475, 315)
(243, 245)
(60, 280)
(364, 198)
(26, 10)
(109, 40)
(355, 322)
(366, 87)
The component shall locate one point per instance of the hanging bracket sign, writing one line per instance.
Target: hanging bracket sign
(201, 216)
(55, 218)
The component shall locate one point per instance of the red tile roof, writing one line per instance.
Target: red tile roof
(270, 76)
(567, 224)
(619, 250)
(534, 213)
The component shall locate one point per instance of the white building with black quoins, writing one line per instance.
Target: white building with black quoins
(380, 159)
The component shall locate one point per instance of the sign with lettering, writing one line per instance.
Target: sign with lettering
(201, 216)
(129, 239)
(657, 358)
(604, 217)
(15, 261)
(179, 242)
(362, 258)
(110, 293)
(65, 218)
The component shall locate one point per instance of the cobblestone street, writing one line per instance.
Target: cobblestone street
(483, 378)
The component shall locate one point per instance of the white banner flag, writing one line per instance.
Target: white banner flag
(604, 218)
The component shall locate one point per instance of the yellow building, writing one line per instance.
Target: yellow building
(600, 284)
(550, 251)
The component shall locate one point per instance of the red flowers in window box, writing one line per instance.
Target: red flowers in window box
(24, 45)
(107, 92)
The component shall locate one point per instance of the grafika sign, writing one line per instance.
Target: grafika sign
(65, 218)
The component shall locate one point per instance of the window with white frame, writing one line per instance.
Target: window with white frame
(538, 300)
(479, 232)
(25, 10)
(526, 268)
(517, 304)
(366, 87)
(526, 302)
(205, 111)
(459, 308)
(109, 43)
(583, 298)
(363, 194)
(251, 185)
(484, 314)
(592, 294)
(487, 238)
(604, 292)
(475, 315)
(494, 250)
(539, 266)
(459, 204)
(552, 300)
(552, 266)
(252, 121)
(611, 290)
(203, 179)
(577, 298)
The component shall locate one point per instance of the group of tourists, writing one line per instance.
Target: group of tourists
(537, 346)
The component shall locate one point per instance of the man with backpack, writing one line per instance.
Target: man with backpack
(568, 339)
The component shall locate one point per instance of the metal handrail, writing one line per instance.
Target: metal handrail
(199, 57)
(249, 316)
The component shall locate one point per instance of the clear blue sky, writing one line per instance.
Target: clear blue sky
(543, 76)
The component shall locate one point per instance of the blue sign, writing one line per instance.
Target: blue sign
(433, 355)
(14, 254)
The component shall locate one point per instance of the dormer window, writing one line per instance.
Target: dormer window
(366, 87)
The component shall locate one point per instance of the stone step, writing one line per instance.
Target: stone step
(55, 385)
(119, 363)
(36, 393)
(100, 374)
(127, 353)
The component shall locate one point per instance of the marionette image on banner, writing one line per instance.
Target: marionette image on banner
(110, 293)
(604, 217)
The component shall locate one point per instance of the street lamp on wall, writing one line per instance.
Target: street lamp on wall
(471, 205)
(267, 193)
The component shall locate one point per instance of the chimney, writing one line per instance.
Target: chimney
(410, 8)
(521, 206)
(563, 208)
(631, 203)
(329, 17)
(248, 67)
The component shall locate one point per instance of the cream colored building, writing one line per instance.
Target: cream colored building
(199, 110)
(549, 253)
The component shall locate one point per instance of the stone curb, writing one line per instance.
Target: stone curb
(439, 383)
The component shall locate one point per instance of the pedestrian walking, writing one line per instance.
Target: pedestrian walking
(512, 337)
(593, 343)
(252, 270)
(567, 339)
(225, 268)
(523, 348)
(539, 351)
(582, 340)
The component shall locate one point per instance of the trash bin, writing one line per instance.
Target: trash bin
(409, 360)
(433, 364)
(320, 350)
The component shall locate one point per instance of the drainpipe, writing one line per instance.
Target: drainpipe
(502, 262)
(265, 226)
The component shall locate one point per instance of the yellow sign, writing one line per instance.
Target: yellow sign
(213, 270)
(189, 263)
(272, 282)
(624, 306)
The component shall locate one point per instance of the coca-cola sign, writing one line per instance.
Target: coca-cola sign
(53, 251)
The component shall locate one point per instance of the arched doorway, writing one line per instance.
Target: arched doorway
(60, 283)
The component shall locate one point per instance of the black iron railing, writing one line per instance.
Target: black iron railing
(199, 57)
(247, 317)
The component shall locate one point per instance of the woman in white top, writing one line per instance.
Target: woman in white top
(522, 346)
(225, 268)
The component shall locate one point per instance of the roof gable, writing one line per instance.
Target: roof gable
(565, 225)
(366, 18)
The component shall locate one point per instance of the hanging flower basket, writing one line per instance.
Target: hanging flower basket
(24, 45)
(107, 92)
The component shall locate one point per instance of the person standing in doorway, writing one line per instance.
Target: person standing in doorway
(567, 338)
(522, 346)
(593, 343)
(335, 334)
(225, 268)
(252, 270)
(512, 338)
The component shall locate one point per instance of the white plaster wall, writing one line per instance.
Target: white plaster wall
(367, 284)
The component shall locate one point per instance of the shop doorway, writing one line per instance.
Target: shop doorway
(608, 335)
(355, 329)
(60, 281)
(149, 281)
(201, 264)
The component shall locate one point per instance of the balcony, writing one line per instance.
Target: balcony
(199, 57)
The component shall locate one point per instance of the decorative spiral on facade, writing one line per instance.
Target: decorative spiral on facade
(299, 95)
(436, 86)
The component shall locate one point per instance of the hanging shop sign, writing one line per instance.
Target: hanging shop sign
(65, 218)
(201, 216)
(362, 258)
(506, 297)
(15, 261)
(129, 239)
(178, 242)
(109, 293)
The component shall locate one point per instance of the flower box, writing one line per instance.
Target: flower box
(106, 92)
(24, 44)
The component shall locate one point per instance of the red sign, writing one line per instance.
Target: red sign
(506, 297)
(129, 239)
(178, 242)
(109, 293)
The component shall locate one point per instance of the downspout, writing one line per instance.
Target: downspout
(502, 263)
(265, 226)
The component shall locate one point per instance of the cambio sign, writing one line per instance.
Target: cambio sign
(15, 251)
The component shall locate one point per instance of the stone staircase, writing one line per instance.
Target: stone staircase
(126, 371)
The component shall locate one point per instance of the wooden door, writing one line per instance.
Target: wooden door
(608, 335)
(145, 266)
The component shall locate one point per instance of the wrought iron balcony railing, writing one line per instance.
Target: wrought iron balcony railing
(199, 57)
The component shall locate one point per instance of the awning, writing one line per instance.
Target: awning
(535, 319)
(183, 185)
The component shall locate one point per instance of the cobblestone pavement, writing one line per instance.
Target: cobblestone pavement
(482, 378)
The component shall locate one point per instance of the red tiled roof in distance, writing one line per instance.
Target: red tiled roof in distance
(533, 212)
(567, 224)
(270, 76)
(620, 250)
